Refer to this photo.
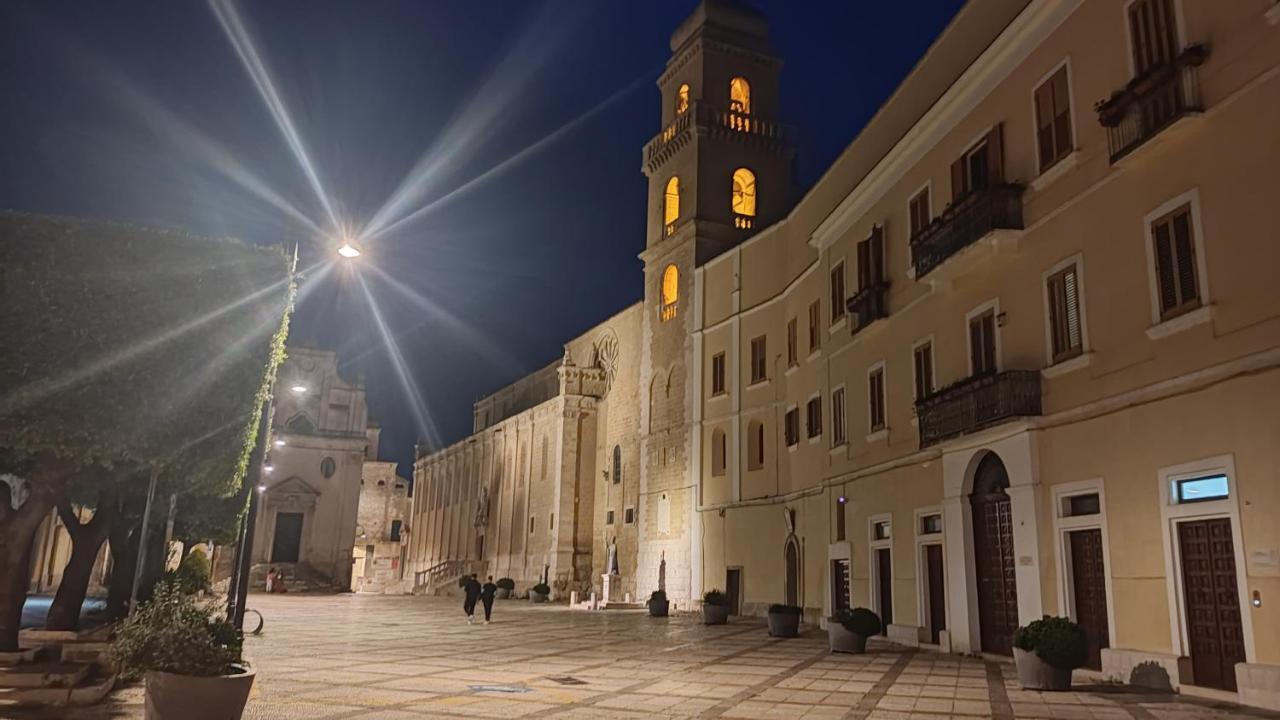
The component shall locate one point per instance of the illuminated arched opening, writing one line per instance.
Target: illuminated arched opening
(744, 197)
(740, 95)
(682, 99)
(670, 292)
(671, 205)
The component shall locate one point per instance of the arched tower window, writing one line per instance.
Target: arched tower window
(670, 292)
(740, 96)
(744, 197)
(717, 452)
(755, 445)
(682, 99)
(617, 464)
(671, 205)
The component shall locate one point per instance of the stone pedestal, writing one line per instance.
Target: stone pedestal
(607, 581)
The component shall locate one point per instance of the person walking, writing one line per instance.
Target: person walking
(271, 580)
(472, 591)
(486, 596)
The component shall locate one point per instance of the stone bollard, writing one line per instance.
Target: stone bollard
(573, 599)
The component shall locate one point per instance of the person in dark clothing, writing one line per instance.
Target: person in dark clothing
(486, 596)
(472, 591)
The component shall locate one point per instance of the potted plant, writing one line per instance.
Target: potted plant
(189, 655)
(539, 593)
(1047, 650)
(715, 608)
(505, 587)
(192, 575)
(659, 606)
(848, 630)
(784, 620)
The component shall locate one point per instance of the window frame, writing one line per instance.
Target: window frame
(813, 417)
(718, 386)
(762, 362)
(838, 310)
(839, 417)
(815, 327)
(752, 464)
(791, 426)
(793, 343)
(1052, 357)
(1190, 198)
(872, 427)
(923, 342)
(720, 454)
(992, 306)
(1180, 39)
(1063, 66)
(927, 191)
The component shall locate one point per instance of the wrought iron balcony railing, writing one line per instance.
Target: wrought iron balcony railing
(964, 222)
(1152, 102)
(976, 403)
(869, 304)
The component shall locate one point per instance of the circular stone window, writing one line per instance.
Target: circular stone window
(328, 467)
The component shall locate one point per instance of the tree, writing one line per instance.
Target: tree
(126, 349)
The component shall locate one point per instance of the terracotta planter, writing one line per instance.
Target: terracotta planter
(502, 593)
(843, 641)
(171, 696)
(715, 614)
(784, 625)
(538, 597)
(659, 609)
(1036, 674)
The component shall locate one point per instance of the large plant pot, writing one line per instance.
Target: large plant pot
(502, 593)
(1036, 674)
(538, 597)
(843, 641)
(715, 614)
(659, 609)
(171, 696)
(784, 625)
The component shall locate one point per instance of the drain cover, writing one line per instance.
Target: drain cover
(566, 680)
(499, 688)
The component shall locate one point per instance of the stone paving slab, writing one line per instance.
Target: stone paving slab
(350, 657)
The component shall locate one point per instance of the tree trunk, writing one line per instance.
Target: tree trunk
(124, 559)
(86, 541)
(17, 530)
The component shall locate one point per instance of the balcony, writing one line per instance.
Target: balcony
(966, 221)
(1152, 102)
(976, 403)
(869, 304)
(711, 120)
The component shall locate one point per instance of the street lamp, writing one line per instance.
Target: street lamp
(349, 249)
(298, 389)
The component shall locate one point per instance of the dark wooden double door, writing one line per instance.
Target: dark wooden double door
(993, 556)
(1214, 631)
(287, 539)
(1089, 590)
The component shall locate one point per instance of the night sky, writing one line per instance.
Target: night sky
(142, 112)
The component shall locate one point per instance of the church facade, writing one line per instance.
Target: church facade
(1016, 353)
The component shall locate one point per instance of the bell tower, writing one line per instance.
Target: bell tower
(719, 171)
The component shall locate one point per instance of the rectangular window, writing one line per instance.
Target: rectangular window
(875, 399)
(717, 374)
(980, 166)
(982, 343)
(608, 517)
(813, 416)
(923, 359)
(793, 351)
(1053, 120)
(918, 212)
(395, 531)
(531, 525)
(1210, 487)
(629, 516)
(1175, 255)
(837, 292)
(1153, 32)
(791, 426)
(551, 523)
(881, 530)
(1076, 505)
(815, 323)
(837, 417)
(758, 367)
(840, 519)
(930, 524)
(1064, 313)
(871, 259)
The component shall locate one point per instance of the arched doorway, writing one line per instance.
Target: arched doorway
(792, 558)
(993, 557)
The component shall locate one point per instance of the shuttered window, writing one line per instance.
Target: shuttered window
(717, 374)
(1064, 313)
(980, 166)
(837, 292)
(837, 418)
(918, 212)
(758, 368)
(1175, 257)
(717, 452)
(815, 325)
(1153, 31)
(793, 351)
(1053, 120)
(813, 413)
(982, 343)
(875, 399)
(755, 445)
(923, 360)
(791, 426)
(871, 259)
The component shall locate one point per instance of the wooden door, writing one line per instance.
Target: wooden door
(792, 579)
(839, 585)
(288, 538)
(935, 590)
(994, 560)
(884, 588)
(1089, 590)
(733, 588)
(1214, 632)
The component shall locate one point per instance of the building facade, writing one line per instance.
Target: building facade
(378, 554)
(1016, 353)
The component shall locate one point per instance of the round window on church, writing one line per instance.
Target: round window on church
(328, 467)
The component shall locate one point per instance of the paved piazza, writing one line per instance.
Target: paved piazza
(403, 658)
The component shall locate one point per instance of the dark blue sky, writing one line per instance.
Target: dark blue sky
(142, 112)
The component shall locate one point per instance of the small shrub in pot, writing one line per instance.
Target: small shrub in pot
(505, 586)
(848, 630)
(189, 654)
(659, 606)
(1047, 650)
(784, 620)
(193, 573)
(539, 593)
(715, 608)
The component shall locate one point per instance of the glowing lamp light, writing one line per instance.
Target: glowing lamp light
(268, 467)
(841, 500)
(279, 442)
(349, 250)
(262, 487)
(298, 389)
